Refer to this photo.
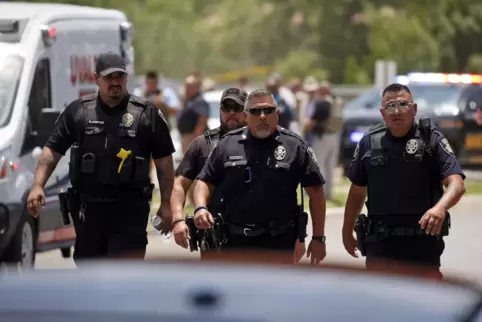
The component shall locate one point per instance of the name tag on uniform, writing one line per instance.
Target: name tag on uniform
(236, 157)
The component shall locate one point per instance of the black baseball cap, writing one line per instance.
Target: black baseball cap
(110, 63)
(236, 94)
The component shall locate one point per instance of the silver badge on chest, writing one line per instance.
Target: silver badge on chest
(412, 146)
(280, 153)
(127, 120)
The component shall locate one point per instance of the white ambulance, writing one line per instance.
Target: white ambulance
(47, 60)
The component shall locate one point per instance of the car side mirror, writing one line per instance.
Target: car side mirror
(46, 122)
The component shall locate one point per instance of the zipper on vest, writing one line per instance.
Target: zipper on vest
(105, 144)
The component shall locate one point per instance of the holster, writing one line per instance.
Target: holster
(361, 231)
(69, 204)
(206, 239)
(301, 223)
(447, 224)
(64, 208)
(74, 164)
(193, 233)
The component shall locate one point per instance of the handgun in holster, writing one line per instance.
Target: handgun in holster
(64, 207)
(74, 164)
(68, 205)
(301, 223)
(361, 230)
(193, 234)
(214, 237)
(447, 224)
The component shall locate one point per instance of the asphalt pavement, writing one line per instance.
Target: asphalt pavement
(462, 256)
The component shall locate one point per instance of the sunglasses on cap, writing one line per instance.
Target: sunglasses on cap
(231, 106)
(262, 110)
(401, 106)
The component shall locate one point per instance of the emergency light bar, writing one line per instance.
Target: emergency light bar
(439, 78)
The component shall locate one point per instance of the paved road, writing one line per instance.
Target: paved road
(463, 254)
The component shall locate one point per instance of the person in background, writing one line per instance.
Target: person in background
(295, 86)
(164, 99)
(286, 113)
(243, 82)
(193, 118)
(311, 87)
(325, 124)
(208, 85)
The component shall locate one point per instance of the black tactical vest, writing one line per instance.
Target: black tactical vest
(401, 176)
(108, 146)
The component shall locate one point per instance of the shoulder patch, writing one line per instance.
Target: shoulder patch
(444, 143)
(311, 152)
(357, 151)
(377, 128)
(159, 112)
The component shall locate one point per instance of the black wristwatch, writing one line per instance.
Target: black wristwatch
(321, 239)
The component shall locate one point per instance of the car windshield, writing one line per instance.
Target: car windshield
(426, 96)
(10, 71)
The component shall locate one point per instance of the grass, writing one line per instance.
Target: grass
(473, 187)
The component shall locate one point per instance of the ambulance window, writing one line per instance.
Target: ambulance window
(40, 94)
(40, 98)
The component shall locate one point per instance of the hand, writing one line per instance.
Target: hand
(36, 198)
(432, 221)
(181, 234)
(478, 116)
(300, 250)
(203, 219)
(165, 213)
(317, 251)
(350, 243)
(158, 100)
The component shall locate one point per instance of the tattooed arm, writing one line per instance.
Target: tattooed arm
(46, 165)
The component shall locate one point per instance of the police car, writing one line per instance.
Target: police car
(179, 291)
(450, 100)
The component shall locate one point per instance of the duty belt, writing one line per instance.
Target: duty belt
(254, 231)
(384, 231)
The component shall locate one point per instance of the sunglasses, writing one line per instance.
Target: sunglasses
(401, 106)
(232, 107)
(262, 110)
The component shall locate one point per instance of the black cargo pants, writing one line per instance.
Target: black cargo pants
(112, 231)
(421, 251)
(281, 246)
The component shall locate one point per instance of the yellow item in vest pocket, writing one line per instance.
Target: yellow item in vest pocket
(123, 155)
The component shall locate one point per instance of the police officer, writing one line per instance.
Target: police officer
(258, 169)
(111, 137)
(401, 166)
(232, 117)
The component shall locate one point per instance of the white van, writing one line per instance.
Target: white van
(47, 60)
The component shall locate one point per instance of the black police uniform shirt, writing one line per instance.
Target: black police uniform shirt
(404, 184)
(194, 158)
(158, 142)
(259, 177)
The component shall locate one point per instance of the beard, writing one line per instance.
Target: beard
(233, 125)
